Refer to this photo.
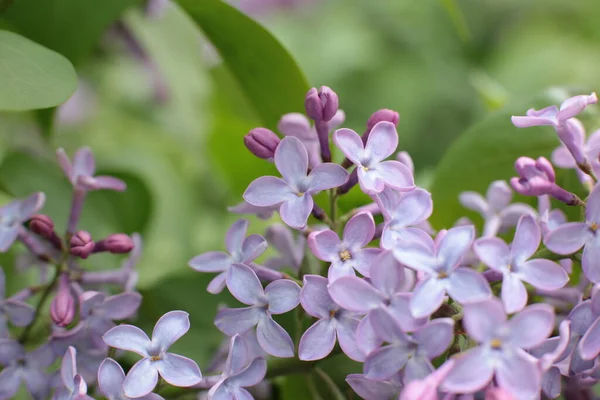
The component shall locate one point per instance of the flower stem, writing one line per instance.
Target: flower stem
(25, 335)
(333, 388)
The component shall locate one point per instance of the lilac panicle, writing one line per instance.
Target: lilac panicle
(262, 142)
(74, 387)
(294, 192)
(277, 298)
(16, 311)
(373, 172)
(497, 212)
(62, 309)
(14, 214)
(501, 351)
(291, 250)
(110, 382)
(28, 368)
(143, 376)
(81, 170)
(572, 236)
(348, 254)
(333, 321)
(439, 262)
(240, 249)
(516, 267)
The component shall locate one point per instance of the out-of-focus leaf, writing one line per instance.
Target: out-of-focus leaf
(267, 73)
(32, 76)
(70, 27)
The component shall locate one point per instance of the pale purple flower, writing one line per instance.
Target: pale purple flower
(497, 212)
(14, 214)
(570, 237)
(586, 317)
(348, 254)
(75, 387)
(247, 208)
(562, 157)
(501, 351)
(174, 369)
(110, 381)
(240, 249)
(89, 354)
(28, 368)
(553, 359)
(17, 312)
(439, 262)
(291, 250)
(403, 213)
(427, 388)
(412, 353)
(333, 321)
(373, 172)
(240, 371)
(278, 297)
(81, 171)
(516, 267)
(294, 192)
(371, 389)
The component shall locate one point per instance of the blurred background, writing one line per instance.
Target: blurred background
(162, 112)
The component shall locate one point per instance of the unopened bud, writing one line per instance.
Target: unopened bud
(321, 105)
(62, 309)
(383, 115)
(82, 244)
(44, 226)
(118, 243)
(262, 142)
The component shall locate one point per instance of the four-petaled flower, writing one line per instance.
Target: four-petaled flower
(291, 251)
(75, 387)
(373, 172)
(110, 381)
(21, 367)
(143, 376)
(294, 192)
(278, 297)
(241, 249)
(348, 254)
(81, 171)
(16, 213)
(515, 265)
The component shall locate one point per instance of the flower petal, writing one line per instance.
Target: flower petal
(346, 334)
(366, 338)
(514, 293)
(169, 328)
(482, 319)
(252, 375)
(244, 285)
(141, 379)
(592, 209)
(273, 338)
(295, 124)
(237, 356)
(543, 274)
(396, 175)
(589, 261)
(427, 297)
(326, 176)
(493, 252)
(455, 243)
(387, 274)
(128, 337)
(386, 361)
(178, 370)
(110, 378)
(318, 340)
(359, 230)
(498, 195)
(18, 312)
(350, 143)
(121, 306)
(518, 374)
(400, 309)
(282, 295)
(386, 327)
(567, 238)
(471, 372)
(291, 159)
(295, 211)
(435, 337)
(382, 141)
(233, 321)
(268, 191)
(363, 259)
(531, 326)
(589, 346)
(413, 208)
(9, 382)
(8, 235)
(325, 245)
(370, 181)
(355, 294)
(474, 201)
(417, 368)
(527, 239)
(235, 236)
(415, 255)
(370, 389)
(466, 286)
(218, 283)
(315, 298)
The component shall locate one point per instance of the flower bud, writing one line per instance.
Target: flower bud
(262, 142)
(321, 105)
(42, 225)
(82, 244)
(118, 243)
(383, 115)
(62, 309)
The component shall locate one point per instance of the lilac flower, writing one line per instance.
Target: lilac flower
(562, 157)
(28, 368)
(241, 249)
(371, 389)
(348, 254)
(515, 265)
(570, 237)
(500, 353)
(402, 213)
(13, 310)
(373, 172)
(277, 298)
(294, 192)
(240, 372)
(497, 212)
(16, 213)
(110, 381)
(291, 251)
(318, 340)
(75, 387)
(247, 208)
(439, 262)
(81, 172)
(553, 355)
(427, 388)
(143, 376)
(589, 346)
(411, 353)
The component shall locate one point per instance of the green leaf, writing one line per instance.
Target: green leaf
(70, 27)
(32, 76)
(267, 73)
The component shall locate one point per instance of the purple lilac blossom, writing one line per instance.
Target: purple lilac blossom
(572, 236)
(501, 353)
(373, 172)
(81, 172)
(240, 249)
(562, 158)
(516, 267)
(589, 345)
(294, 192)
(497, 212)
(333, 321)
(439, 262)
(74, 387)
(427, 388)
(174, 369)
(17, 312)
(371, 389)
(350, 253)
(14, 214)
(278, 297)
(291, 250)
(28, 368)
(110, 382)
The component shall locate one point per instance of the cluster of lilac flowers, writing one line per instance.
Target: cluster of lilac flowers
(451, 314)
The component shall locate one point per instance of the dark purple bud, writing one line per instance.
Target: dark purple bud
(44, 226)
(262, 142)
(329, 102)
(118, 243)
(62, 309)
(82, 244)
(383, 115)
(313, 105)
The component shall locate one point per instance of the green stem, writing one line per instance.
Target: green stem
(312, 388)
(548, 255)
(24, 336)
(333, 209)
(333, 388)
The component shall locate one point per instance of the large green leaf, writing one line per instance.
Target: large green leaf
(268, 75)
(32, 76)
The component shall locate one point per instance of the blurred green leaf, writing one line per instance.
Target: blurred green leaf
(70, 27)
(267, 73)
(32, 76)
